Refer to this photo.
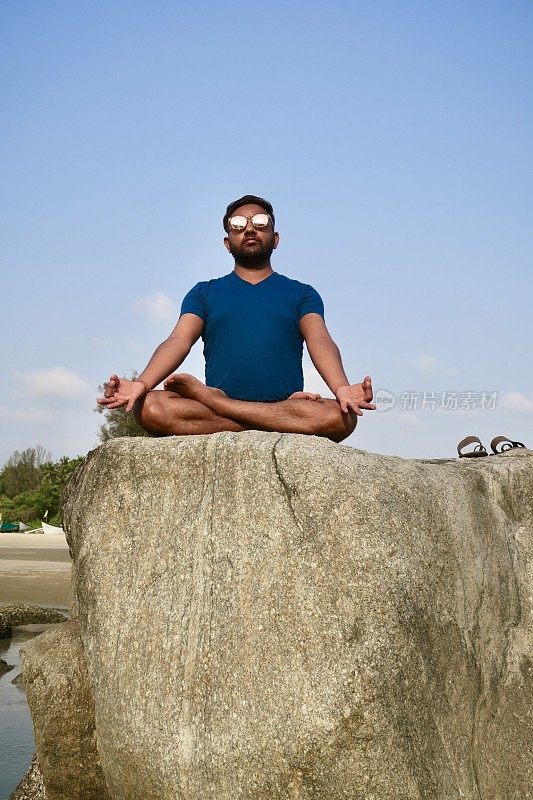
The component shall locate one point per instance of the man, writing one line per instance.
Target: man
(253, 323)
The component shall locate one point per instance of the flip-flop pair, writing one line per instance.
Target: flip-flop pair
(498, 445)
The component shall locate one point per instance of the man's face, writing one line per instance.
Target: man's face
(251, 247)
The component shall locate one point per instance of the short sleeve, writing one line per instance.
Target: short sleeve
(194, 301)
(311, 303)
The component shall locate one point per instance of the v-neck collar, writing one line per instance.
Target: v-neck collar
(259, 283)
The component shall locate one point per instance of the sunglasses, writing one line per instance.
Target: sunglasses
(239, 222)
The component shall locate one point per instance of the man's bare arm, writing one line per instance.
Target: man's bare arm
(173, 351)
(323, 351)
(168, 356)
(326, 357)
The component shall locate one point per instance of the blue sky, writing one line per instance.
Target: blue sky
(394, 140)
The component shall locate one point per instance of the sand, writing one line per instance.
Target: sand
(34, 569)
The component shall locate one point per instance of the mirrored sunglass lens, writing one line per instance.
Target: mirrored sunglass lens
(237, 223)
(260, 220)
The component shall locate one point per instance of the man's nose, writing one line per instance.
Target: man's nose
(249, 226)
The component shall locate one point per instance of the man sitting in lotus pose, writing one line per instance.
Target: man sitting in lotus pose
(253, 323)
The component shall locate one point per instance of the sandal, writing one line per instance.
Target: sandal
(506, 444)
(478, 450)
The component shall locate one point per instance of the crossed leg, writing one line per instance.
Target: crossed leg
(191, 407)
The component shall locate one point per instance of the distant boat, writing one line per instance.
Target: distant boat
(52, 529)
(13, 527)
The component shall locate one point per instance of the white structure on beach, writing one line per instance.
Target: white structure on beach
(52, 529)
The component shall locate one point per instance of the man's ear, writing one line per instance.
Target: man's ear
(226, 244)
(276, 240)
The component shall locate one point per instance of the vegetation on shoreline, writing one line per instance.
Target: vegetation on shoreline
(31, 484)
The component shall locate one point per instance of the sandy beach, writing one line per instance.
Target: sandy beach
(34, 569)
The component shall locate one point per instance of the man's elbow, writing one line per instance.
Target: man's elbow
(321, 343)
(178, 343)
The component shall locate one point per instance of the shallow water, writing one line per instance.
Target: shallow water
(17, 744)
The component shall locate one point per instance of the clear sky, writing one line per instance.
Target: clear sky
(393, 139)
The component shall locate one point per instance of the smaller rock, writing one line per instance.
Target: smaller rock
(18, 680)
(5, 631)
(62, 708)
(17, 614)
(5, 667)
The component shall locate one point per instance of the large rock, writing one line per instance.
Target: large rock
(278, 617)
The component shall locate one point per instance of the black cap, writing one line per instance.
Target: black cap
(248, 199)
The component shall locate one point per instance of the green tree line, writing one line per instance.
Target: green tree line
(31, 483)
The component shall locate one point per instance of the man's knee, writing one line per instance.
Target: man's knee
(323, 418)
(147, 411)
(336, 425)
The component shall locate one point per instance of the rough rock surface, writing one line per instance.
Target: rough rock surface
(31, 786)
(18, 614)
(57, 688)
(270, 616)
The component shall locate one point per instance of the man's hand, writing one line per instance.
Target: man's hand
(120, 392)
(355, 397)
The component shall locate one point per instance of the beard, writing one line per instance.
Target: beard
(251, 256)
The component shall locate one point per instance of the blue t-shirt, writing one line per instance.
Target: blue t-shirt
(252, 342)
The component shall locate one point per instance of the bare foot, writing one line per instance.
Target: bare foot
(190, 387)
(303, 396)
